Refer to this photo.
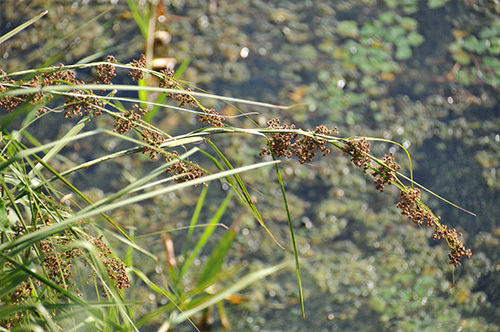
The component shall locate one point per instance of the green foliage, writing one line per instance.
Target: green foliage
(368, 54)
(436, 3)
(477, 53)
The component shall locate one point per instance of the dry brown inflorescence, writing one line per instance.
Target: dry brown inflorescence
(58, 254)
(285, 142)
(80, 102)
(410, 202)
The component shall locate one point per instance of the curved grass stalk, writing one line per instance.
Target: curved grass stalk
(165, 293)
(410, 179)
(243, 192)
(21, 243)
(292, 237)
(234, 288)
(176, 229)
(335, 141)
(391, 142)
(22, 27)
(205, 236)
(98, 87)
(31, 151)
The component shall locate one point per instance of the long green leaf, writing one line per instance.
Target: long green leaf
(118, 87)
(206, 235)
(234, 288)
(243, 193)
(141, 22)
(161, 291)
(294, 245)
(22, 27)
(28, 152)
(23, 242)
(61, 143)
(217, 257)
(192, 224)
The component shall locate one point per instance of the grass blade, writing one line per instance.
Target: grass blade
(206, 235)
(22, 27)
(22, 242)
(234, 288)
(243, 193)
(294, 245)
(216, 259)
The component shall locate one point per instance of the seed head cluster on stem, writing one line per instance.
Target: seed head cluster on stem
(409, 202)
(286, 142)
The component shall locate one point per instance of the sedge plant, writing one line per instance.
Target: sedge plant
(57, 267)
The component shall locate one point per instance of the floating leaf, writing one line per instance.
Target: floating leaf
(348, 29)
(492, 63)
(433, 4)
(409, 24)
(462, 57)
(472, 44)
(403, 52)
(395, 33)
(415, 39)
(387, 17)
(494, 48)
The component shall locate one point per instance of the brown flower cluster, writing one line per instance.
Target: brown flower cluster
(22, 292)
(304, 148)
(358, 150)
(78, 102)
(115, 268)
(457, 247)
(169, 82)
(154, 141)
(280, 142)
(9, 103)
(129, 119)
(136, 72)
(57, 255)
(184, 170)
(286, 143)
(58, 264)
(413, 209)
(183, 98)
(104, 74)
(409, 201)
(385, 174)
(410, 207)
(212, 117)
(82, 104)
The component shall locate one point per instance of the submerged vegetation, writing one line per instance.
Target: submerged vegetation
(121, 251)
